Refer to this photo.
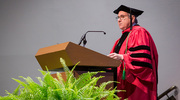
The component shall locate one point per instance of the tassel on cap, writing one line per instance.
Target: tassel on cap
(130, 20)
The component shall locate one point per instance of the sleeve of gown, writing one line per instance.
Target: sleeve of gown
(138, 58)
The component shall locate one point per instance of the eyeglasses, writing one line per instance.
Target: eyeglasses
(122, 17)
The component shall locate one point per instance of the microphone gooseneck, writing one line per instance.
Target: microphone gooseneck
(83, 38)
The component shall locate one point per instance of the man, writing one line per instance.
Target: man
(137, 73)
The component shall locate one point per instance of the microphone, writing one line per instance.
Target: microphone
(83, 38)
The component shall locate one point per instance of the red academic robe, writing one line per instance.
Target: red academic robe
(141, 65)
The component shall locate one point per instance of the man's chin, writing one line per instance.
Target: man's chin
(121, 28)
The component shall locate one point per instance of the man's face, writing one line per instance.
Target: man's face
(123, 20)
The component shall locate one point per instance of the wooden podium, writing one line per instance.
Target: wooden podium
(72, 54)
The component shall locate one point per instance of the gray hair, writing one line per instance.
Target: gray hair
(136, 21)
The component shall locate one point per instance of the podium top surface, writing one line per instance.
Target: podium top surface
(72, 54)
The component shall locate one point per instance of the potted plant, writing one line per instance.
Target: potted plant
(82, 88)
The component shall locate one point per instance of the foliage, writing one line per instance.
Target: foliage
(82, 88)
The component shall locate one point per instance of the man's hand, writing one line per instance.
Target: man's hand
(116, 56)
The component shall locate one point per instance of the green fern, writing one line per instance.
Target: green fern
(49, 88)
